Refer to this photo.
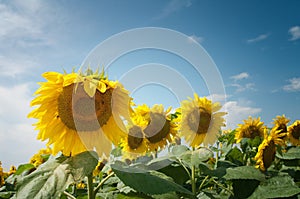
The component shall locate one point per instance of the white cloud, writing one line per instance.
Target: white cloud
(258, 38)
(174, 6)
(241, 87)
(17, 137)
(12, 66)
(293, 86)
(237, 113)
(196, 39)
(240, 76)
(295, 33)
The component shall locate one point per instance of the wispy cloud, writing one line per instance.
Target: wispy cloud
(258, 38)
(295, 33)
(244, 87)
(194, 38)
(240, 76)
(237, 113)
(16, 131)
(293, 86)
(173, 6)
(240, 87)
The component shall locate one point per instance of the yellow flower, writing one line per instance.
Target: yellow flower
(2, 182)
(135, 144)
(280, 123)
(199, 120)
(294, 133)
(151, 130)
(99, 167)
(80, 112)
(12, 170)
(267, 149)
(250, 129)
(38, 158)
(80, 185)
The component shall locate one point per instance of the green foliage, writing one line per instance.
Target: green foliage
(51, 179)
(146, 181)
(281, 186)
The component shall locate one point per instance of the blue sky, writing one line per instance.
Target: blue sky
(254, 44)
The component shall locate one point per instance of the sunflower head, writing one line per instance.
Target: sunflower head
(280, 123)
(294, 133)
(266, 154)
(251, 128)
(152, 129)
(40, 157)
(267, 149)
(200, 120)
(2, 182)
(80, 112)
(12, 170)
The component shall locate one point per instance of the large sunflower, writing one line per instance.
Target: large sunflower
(80, 112)
(199, 120)
(294, 133)
(280, 123)
(267, 149)
(152, 129)
(250, 129)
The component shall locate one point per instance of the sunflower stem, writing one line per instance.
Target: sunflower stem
(91, 194)
(193, 180)
(70, 196)
(102, 182)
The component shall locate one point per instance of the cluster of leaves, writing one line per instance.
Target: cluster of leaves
(225, 170)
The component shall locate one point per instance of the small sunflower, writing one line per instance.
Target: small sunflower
(80, 112)
(267, 149)
(151, 130)
(2, 182)
(12, 170)
(199, 120)
(40, 157)
(135, 143)
(250, 129)
(294, 133)
(280, 123)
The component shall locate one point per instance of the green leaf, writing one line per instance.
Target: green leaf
(24, 167)
(244, 188)
(235, 156)
(132, 195)
(276, 187)
(117, 152)
(200, 155)
(244, 172)
(146, 181)
(177, 172)
(54, 176)
(293, 153)
(6, 195)
(178, 150)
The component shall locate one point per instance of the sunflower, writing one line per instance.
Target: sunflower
(267, 149)
(280, 123)
(80, 112)
(12, 170)
(294, 133)
(250, 129)
(40, 157)
(151, 130)
(199, 120)
(2, 182)
(135, 144)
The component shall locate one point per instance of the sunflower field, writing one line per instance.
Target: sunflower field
(100, 144)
